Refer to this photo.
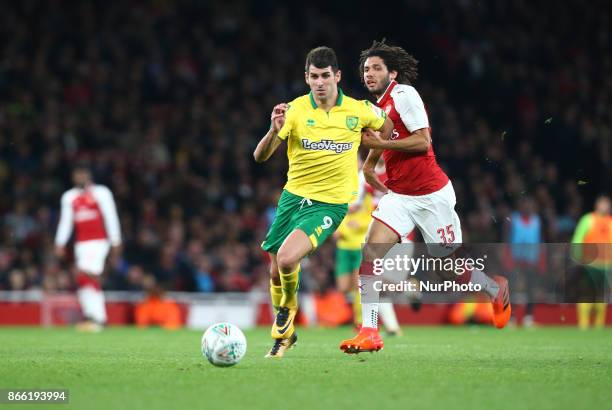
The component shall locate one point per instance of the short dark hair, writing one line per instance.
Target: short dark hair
(395, 58)
(81, 166)
(322, 57)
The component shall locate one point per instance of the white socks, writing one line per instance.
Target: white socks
(389, 318)
(369, 313)
(488, 285)
(92, 303)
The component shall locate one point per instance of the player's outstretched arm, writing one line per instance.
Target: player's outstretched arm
(65, 226)
(419, 141)
(271, 141)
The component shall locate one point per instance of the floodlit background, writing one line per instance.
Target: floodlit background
(167, 99)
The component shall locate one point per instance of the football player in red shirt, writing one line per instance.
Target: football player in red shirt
(89, 209)
(418, 192)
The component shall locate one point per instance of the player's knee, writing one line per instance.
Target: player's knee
(274, 275)
(343, 284)
(286, 262)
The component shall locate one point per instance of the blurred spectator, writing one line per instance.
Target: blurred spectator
(17, 279)
(524, 236)
(204, 276)
(157, 310)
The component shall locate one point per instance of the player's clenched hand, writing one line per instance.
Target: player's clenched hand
(371, 139)
(278, 116)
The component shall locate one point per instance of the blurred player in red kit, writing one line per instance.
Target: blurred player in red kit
(89, 209)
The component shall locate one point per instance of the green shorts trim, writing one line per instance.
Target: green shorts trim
(347, 261)
(317, 219)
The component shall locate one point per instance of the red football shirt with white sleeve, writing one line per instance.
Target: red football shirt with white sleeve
(409, 174)
(92, 213)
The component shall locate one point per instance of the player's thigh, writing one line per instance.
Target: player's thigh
(379, 240)
(283, 224)
(91, 256)
(319, 221)
(392, 212)
(435, 216)
(294, 248)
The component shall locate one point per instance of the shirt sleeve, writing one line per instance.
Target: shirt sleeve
(410, 107)
(374, 117)
(285, 132)
(109, 212)
(581, 230)
(66, 223)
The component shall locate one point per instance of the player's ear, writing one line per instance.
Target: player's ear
(306, 77)
(338, 75)
(393, 75)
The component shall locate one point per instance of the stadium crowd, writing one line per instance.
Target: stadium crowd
(167, 100)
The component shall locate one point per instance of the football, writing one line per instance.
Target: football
(223, 344)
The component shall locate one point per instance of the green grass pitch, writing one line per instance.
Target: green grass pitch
(427, 368)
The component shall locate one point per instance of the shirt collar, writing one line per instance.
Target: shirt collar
(338, 100)
(387, 92)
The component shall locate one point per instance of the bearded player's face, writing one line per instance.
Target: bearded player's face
(376, 75)
(323, 82)
(81, 177)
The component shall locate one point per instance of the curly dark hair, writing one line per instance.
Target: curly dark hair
(395, 58)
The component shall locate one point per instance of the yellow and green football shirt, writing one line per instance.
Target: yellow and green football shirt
(353, 229)
(322, 146)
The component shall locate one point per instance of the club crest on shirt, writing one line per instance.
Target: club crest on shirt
(351, 122)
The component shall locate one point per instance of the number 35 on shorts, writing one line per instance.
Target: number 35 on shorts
(447, 235)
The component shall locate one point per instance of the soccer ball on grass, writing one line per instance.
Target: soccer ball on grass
(223, 344)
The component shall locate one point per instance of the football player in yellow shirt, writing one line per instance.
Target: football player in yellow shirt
(323, 133)
(595, 230)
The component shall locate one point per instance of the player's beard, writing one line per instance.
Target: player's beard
(378, 92)
(383, 87)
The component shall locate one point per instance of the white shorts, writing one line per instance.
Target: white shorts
(434, 214)
(91, 255)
